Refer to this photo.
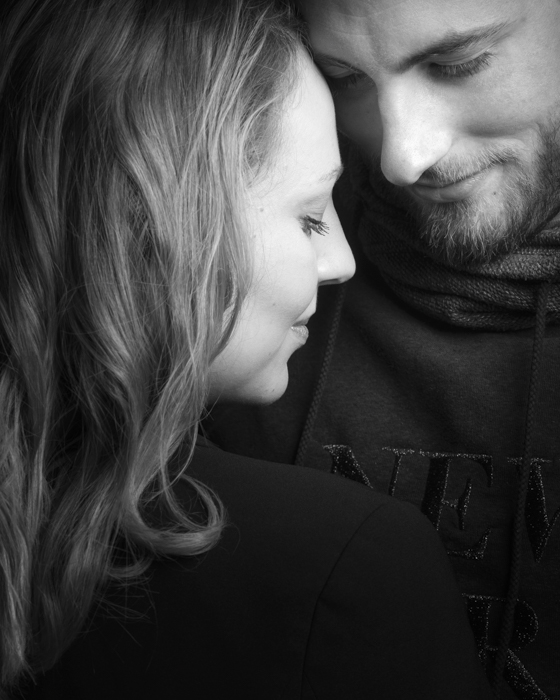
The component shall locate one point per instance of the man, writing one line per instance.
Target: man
(440, 378)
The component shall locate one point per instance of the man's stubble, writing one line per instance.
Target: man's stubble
(467, 232)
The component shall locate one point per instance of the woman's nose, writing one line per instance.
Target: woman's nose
(335, 261)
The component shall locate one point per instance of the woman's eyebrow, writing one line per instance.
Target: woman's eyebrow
(334, 174)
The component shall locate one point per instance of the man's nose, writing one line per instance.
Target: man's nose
(416, 134)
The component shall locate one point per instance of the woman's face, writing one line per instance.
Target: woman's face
(291, 256)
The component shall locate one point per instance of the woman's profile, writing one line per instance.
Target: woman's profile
(166, 170)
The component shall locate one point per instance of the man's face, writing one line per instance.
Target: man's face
(456, 103)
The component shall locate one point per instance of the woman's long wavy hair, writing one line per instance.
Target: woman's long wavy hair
(129, 130)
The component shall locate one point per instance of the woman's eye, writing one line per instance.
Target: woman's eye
(310, 225)
(462, 70)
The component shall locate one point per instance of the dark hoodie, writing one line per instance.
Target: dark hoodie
(442, 388)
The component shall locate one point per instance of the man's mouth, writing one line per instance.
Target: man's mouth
(455, 191)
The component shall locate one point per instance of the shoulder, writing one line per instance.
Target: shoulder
(287, 498)
(305, 571)
(364, 574)
(289, 523)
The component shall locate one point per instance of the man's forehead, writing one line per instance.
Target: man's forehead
(359, 13)
(350, 8)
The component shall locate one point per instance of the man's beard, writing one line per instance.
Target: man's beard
(466, 231)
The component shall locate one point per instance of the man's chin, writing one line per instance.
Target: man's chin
(458, 233)
(468, 233)
(476, 231)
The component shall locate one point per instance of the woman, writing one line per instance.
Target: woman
(166, 219)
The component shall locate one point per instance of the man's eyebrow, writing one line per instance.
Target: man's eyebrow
(334, 174)
(454, 42)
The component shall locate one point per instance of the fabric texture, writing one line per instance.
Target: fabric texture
(319, 588)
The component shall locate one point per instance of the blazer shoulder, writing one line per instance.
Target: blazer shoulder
(390, 617)
(291, 498)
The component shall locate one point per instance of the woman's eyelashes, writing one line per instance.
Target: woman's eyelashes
(310, 225)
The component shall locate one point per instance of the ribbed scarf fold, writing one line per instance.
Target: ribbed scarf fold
(497, 296)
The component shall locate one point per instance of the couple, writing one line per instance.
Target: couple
(436, 378)
(166, 219)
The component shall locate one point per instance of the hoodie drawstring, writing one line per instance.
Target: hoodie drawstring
(508, 615)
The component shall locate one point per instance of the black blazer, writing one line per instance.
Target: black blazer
(318, 589)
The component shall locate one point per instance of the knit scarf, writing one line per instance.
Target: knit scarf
(499, 295)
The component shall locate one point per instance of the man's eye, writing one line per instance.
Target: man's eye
(343, 80)
(462, 70)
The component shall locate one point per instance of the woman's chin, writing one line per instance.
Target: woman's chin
(268, 390)
(260, 390)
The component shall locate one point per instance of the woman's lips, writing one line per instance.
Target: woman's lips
(454, 192)
(301, 331)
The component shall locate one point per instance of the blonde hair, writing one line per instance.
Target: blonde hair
(129, 130)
